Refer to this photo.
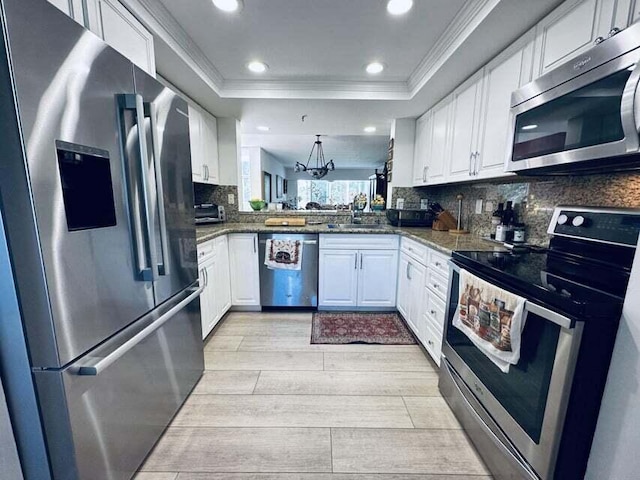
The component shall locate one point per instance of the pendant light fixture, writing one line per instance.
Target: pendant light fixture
(322, 167)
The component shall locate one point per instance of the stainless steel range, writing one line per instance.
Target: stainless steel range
(537, 420)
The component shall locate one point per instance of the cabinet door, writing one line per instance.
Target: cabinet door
(377, 278)
(568, 31)
(245, 274)
(121, 30)
(503, 75)
(338, 278)
(463, 128)
(73, 9)
(417, 308)
(208, 296)
(209, 130)
(438, 152)
(223, 277)
(404, 286)
(421, 149)
(195, 141)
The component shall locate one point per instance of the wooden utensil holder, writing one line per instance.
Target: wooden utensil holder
(444, 222)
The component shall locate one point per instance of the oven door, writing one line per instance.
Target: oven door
(587, 118)
(528, 404)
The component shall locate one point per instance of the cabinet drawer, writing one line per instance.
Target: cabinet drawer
(433, 343)
(360, 242)
(437, 284)
(439, 263)
(415, 250)
(205, 250)
(435, 311)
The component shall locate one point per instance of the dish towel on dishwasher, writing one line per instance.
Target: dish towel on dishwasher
(492, 318)
(283, 254)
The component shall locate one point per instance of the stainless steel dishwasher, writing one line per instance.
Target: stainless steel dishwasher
(290, 288)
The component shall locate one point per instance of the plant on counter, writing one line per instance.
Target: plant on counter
(257, 204)
(378, 203)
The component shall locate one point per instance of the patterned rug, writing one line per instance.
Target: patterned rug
(360, 327)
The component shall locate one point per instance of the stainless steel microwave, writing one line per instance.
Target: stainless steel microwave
(583, 115)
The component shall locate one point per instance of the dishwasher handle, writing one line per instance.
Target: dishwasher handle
(305, 242)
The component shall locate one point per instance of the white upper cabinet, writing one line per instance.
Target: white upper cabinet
(464, 122)
(203, 138)
(438, 152)
(420, 152)
(73, 8)
(506, 73)
(110, 20)
(574, 26)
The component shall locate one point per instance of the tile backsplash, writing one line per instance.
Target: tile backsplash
(534, 198)
(218, 194)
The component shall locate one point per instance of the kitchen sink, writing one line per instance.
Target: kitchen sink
(375, 226)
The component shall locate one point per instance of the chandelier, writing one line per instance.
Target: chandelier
(321, 168)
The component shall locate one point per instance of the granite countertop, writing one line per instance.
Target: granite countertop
(441, 241)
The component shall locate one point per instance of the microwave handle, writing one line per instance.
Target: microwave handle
(630, 110)
(550, 315)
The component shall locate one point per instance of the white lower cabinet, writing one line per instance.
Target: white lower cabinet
(423, 277)
(213, 265)
(411, 278)
(244, 268)
(357, 277)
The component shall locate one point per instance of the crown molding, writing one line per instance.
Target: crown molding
(466, 21)
(162, 24)
(318, 89)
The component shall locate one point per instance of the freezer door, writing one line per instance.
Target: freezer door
(66, 80)
(105, 412)
(169, 165)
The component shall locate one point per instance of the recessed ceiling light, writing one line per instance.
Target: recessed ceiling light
(258, 67)
(369, 129)
(228, 5)
(374, 68)
(262, 128)
(529, 127)
(399, 7)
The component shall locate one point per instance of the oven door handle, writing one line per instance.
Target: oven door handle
(560, 320)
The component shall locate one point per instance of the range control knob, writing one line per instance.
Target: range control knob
(579, 221)
(562, 219)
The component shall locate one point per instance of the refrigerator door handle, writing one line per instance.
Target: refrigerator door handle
(119, 352)
(150, 113)
(136, 183)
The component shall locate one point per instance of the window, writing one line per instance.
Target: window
(324, 192)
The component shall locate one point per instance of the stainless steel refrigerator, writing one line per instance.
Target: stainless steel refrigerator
(96, 205)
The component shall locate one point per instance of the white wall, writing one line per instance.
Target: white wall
(271, 165)
(403, 131)
(615, 454)
(229, 150)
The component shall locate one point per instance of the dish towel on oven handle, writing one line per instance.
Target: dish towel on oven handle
(492, 318)
(283, 254)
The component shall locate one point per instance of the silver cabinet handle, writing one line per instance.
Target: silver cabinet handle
(138, 195)
(409, 271)
(613, 32)
(204, 172)
(355, 265)
(436, 286)
(476, 163)
(598, 40)
(433, 312)
(438, 264)
(361, 255)
(150, 113)
(470, 163)
(255, 247)
(119, 352)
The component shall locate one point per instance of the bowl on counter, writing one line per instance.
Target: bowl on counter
(257, 205)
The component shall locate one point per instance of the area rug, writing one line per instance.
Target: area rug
(360, 327)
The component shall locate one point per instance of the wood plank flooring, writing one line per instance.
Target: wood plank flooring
(271, 406)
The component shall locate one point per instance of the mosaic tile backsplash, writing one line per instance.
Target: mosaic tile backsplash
(534, 198)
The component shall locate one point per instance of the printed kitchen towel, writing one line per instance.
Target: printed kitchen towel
(283, 254)
(492, 318)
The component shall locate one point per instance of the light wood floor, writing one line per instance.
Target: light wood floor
(271, 406)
